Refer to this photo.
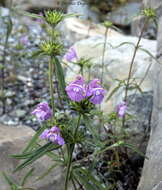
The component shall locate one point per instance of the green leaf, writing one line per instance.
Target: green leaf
(132, 147)
(90, 182)
(9, 27)
(124, 43)
(25, 13)
(83, 181)
(113, 92)
(10, 182)
(34, 139)
(47, 172)
(92, 179)
(119, 143)
(53, 156)
(92, 130)
(36, 54)
(150, 54)
(38, 154)
(60, 76)
(29, 174)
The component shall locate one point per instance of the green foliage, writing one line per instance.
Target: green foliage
(53, 17)
(51, 48)
(150, 13)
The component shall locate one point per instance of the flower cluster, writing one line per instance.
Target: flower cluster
(53, 135)
(121, 109)
(42, 111)
(78, 90)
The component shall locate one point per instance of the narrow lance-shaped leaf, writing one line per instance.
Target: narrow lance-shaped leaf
(60, 75)
(150, 54)
(130, 146)
(34, 139)
(38, 154)
(9, 27)
(10, 181)
(47, 172)
(113, 92)
(26, 177)
(119, 143)
(96, 182)
(25, 13)
(83, 181)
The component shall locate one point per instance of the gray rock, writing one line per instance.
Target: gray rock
(20, 113)
(150, 31)
(155, 4)
(12, 141)
(138, 127)
(26, 5)
(158, 186)
(4, 12)
(152, 170)
(81, 8)
(123, 15)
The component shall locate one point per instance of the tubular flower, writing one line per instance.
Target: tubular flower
(40, 20)
(71, 55)
(95, 92)
(53, 135)
(76, 90)
(121, 109)
(42, 111)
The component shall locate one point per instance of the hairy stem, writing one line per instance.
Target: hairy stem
(71, 154)
(50, 67)
(131, 66)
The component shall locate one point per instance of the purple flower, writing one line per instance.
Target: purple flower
(95, 92)
(76, 90)
(53, 135)
(121, 109)
(71, 55)
(40, 20)
(42, 111)
(24, 40)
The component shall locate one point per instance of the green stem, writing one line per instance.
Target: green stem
(103, 55)
(131, 67)
(71, 154)
(51, 85)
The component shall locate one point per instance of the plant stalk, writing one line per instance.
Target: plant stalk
(50, 66)
(131, 67)
(71, 154)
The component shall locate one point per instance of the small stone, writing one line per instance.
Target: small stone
(20, 113)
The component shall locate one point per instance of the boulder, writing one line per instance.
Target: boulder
(36, 4)
(155, 4)
(150, 31)
(151, 174)
(12, 141)
(124, 14)
(158, 186)
(83, 10)
(75, 29)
